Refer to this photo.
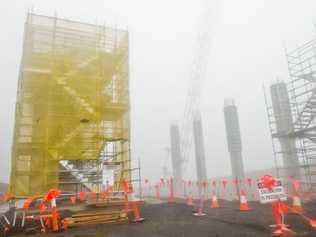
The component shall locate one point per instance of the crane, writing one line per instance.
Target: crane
(197, 79)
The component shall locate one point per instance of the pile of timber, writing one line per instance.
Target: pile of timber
(93, 217)
(108, 211)
(110, 202)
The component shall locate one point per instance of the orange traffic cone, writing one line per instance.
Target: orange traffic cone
(297, 205)
(137, 217)
(214, 203)
(243, 202)
(190, 200)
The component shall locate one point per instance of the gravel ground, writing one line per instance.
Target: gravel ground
(176, 220)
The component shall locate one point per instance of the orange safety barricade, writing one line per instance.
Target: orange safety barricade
(82, 196)
(27, 203)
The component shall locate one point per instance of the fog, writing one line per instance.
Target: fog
(248, 49)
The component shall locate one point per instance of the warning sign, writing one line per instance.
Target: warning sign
(273, 194)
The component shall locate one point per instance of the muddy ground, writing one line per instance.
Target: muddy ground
(176, 220)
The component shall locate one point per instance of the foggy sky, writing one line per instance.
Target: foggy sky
(247, 51)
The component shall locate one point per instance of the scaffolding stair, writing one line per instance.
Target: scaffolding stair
(77, 174)
(62, 81)
(310, 77)
(308, 112)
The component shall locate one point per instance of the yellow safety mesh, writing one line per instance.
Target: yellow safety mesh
(72, 101)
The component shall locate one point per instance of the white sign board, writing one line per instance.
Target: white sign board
(271, 195)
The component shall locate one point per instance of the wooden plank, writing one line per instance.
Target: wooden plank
(97, 213)
(95, 218)
(117, 221)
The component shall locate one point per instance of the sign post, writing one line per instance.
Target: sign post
(271, 194)
(271, 191)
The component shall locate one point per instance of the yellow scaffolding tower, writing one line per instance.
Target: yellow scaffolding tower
(72, 104)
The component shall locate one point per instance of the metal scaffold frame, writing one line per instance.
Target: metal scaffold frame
(72, 115)
(302, 91)
(302, 100)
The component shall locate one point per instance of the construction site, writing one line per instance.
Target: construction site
(75, 170)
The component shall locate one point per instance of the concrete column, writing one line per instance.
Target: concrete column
(234, 141)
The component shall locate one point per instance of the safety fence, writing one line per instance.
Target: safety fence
(58, 210)
(48, 213)
(266, 190)
(228, 189)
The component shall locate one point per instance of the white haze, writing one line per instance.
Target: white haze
(248, 49)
